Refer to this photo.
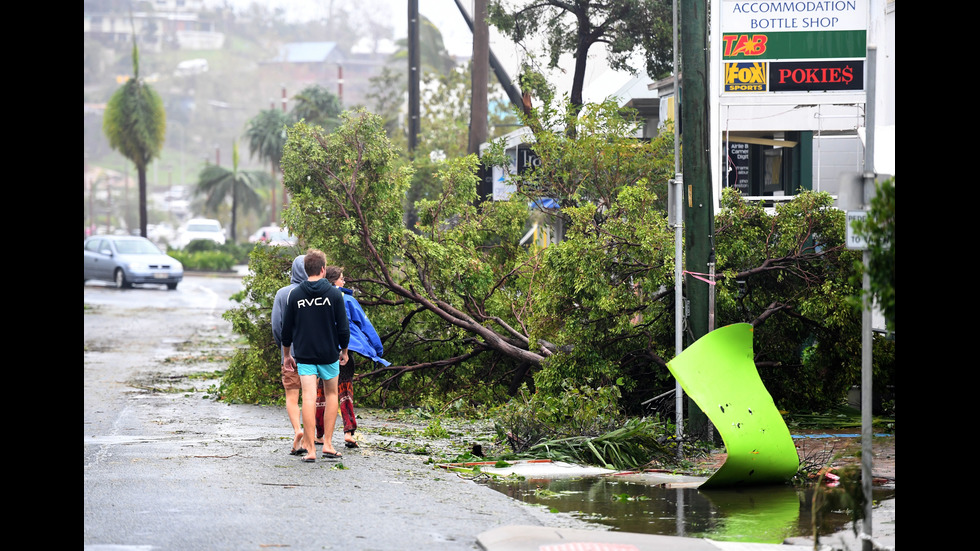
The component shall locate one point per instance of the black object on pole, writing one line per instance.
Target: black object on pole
(413, 74)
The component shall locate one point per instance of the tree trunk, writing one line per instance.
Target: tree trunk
(519, 376)
(142, 178)
(275, 183)
(234, 211)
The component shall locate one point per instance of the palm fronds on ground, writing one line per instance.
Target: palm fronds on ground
(629, 447)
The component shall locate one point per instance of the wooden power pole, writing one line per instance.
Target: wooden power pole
(480, 77)
(697, 194)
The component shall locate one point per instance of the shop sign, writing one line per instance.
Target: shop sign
(793, 29)
(745, 77)
(802, 76)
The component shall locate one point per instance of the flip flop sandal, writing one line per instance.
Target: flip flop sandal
(329, 455)
(298, 451)
(309, 460)
(351, 444)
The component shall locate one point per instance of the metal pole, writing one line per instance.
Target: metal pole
(711, 322)
(711, 297)
(866, 394)
(678, 252)
(413, 75)
(679, 303)
(680, 512)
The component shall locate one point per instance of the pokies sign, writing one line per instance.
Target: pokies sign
(816, 75)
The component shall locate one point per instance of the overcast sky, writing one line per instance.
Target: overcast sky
(456, 35)
(443, 13)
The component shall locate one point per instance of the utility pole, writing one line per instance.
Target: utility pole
(498, 70)
(413, 75)
(283, 181)
(698, 200)
(340, 83)
(480, 78)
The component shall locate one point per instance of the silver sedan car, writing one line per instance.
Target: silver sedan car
(126, 259)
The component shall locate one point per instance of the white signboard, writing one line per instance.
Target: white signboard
(812, 15)
(854, 241)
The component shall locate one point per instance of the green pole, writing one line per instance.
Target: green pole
(698, 202)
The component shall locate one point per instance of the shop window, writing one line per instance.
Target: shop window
(765, 166)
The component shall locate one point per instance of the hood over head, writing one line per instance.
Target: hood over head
(299, 271)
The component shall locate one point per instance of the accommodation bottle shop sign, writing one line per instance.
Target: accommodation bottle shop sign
(787, 46)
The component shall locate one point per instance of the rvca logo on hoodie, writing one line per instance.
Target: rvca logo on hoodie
(317, 301)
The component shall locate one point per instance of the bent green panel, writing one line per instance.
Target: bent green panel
(718, 373)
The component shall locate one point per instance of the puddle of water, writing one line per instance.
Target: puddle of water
(757, 515)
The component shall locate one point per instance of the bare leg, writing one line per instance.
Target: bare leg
(309, 413)
(292, 409)
(329, 414)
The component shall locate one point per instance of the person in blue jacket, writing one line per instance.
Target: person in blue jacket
(364, 340)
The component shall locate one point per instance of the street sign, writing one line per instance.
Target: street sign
(854, 241)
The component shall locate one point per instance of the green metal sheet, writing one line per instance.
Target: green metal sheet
(719, 374)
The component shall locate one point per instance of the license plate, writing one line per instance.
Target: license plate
(161, 276)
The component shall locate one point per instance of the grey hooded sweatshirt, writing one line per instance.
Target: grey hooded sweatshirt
(279, 303)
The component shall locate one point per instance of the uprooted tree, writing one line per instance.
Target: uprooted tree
(469, 315)
(451, 292)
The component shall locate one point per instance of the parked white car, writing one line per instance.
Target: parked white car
(273, 235)
(200, 228)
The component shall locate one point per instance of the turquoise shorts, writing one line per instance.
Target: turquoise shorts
(323, 371)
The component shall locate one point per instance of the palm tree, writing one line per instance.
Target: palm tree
(216, 183)
(317, 105)
(266, 135)
(135, 123)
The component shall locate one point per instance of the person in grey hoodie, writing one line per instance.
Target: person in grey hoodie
(315, 336)
(290, 377)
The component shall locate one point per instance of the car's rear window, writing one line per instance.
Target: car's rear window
(136, 246)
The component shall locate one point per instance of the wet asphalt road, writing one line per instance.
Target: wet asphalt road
(167, 468)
